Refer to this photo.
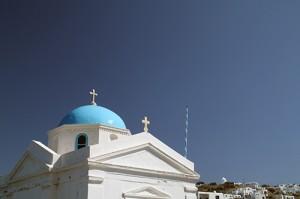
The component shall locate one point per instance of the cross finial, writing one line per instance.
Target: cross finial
(146, 122)
(94, 94)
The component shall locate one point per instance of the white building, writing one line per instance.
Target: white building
(210, 195)
(289, 188)
(252, 193)
(215, 195)
(285, 197)
(245, 191)
(232, 196)
(91, 154)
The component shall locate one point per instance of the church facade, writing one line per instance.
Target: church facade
(92, 155)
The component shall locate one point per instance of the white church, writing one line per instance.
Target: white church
(92, 155)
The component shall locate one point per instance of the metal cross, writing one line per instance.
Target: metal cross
(146, 122)
(94, 94)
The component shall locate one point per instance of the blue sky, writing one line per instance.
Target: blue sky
(234, 63)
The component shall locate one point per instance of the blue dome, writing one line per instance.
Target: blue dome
(93, 114)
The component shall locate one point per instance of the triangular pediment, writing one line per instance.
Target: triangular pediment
(145, 157)
(28, 166)
(148, 192)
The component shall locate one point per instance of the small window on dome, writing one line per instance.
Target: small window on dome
(81, 141)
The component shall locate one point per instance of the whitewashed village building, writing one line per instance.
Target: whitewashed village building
(252, 193)
(285, 197)
(210, 195)
(216, 195)
(92, 155)
(289, 188)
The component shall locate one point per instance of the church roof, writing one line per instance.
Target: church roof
(93, 114)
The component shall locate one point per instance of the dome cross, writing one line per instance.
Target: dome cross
(94, 94)
(146, 122)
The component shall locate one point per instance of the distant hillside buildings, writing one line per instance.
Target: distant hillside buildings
(289, 188)
(229, 190)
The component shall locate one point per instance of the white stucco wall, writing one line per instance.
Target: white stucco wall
(75, 184)
(114, 186)
(67, 184)
(62, 139)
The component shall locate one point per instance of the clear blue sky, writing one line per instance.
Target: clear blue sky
(235, 63)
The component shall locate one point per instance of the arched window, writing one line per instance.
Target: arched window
(81, 141)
